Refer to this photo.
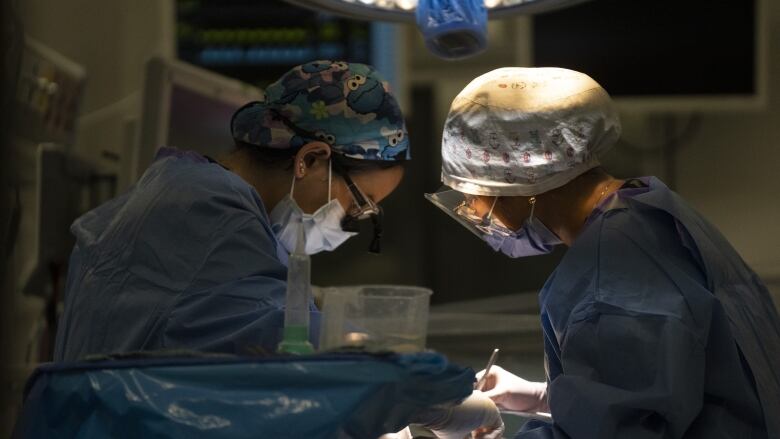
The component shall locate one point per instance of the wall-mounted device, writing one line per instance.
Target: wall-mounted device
(187, 107)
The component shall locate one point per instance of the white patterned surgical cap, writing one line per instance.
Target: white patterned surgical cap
(525, 131)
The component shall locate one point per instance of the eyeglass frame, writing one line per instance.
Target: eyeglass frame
(487, 223)
(365, 208)
(482, 227)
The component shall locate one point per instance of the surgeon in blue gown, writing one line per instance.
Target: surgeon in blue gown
(654, 326)
(193, 256)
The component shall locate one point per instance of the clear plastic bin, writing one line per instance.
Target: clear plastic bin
(375, 318)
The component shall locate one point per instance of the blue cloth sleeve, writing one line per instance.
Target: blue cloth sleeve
(230, 318)
(633, 359)
(235, 303)
(625, 377)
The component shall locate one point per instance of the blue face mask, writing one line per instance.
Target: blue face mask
(533, 238)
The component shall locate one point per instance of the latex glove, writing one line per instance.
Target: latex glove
(476, 415)
(511, 392)
(403, 434)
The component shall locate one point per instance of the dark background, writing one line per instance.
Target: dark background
(663, 47)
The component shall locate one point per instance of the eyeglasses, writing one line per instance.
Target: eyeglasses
(467, 210)
(363, 208)
(487, 223)
(462, 208)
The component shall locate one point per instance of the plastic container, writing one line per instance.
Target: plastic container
(375, 318)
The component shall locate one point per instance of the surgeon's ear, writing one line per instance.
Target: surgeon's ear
(308, 155)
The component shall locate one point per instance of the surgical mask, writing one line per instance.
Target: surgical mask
(321, 229)
(533, 238)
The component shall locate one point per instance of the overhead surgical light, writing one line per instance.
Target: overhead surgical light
(406, 5)
(404, 10)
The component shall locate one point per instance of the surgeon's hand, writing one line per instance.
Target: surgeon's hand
(477, 416)
(511, 392)
(403, 434)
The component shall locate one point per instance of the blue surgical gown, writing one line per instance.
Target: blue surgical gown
(186, 259)
(655, 327)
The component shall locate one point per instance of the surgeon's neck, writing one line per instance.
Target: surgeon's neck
(271, 184)
(565, 210)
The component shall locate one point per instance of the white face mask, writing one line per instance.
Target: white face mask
(321, 229)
